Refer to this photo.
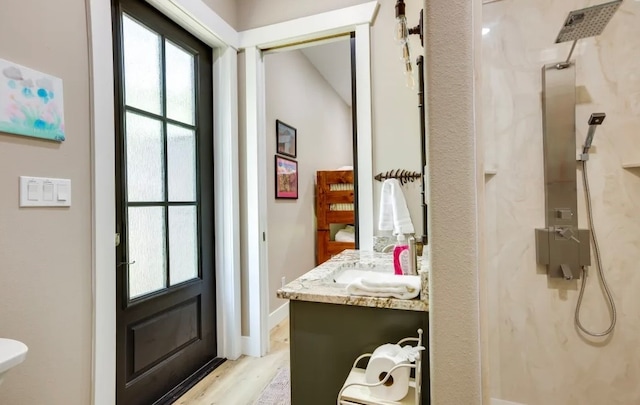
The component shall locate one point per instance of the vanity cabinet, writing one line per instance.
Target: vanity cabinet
(329, 328)
(326, 338)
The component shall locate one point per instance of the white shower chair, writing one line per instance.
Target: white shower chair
(355, 390)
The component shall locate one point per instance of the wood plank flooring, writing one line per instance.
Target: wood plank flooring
(240, 382)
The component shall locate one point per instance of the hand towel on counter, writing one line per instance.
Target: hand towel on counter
(394, 214)
(386, 285)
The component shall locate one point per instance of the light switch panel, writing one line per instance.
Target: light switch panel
(44, 192)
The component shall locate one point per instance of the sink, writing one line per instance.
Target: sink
(346, 276)
(12, 353)
(348, 272)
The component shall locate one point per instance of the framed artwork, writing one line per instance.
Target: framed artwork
(31, 102)
(286, 139)
(286, 171)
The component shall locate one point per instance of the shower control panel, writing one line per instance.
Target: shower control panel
(564, 250)
(561, 246)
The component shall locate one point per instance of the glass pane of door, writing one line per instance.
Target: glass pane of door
(161, 160)
(147, 251)
(142, 78)
(183, 244)
(181, 162)
(145, 158)
(180, 84)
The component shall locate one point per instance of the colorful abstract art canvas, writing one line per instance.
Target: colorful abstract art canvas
(31, 102)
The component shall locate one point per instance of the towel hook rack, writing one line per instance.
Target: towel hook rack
(404, 176)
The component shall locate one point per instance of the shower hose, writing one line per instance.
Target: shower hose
(610, 302)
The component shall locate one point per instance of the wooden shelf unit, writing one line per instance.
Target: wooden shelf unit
(326, 196)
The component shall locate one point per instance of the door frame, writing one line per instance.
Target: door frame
(342, 21)
(225, 41)
(215, 32)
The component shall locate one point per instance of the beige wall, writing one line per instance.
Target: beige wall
(45, 253)
(297, 94)
(396, 120)
(226, 9)
(536, 354)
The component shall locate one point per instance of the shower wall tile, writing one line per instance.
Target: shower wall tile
(537, 357)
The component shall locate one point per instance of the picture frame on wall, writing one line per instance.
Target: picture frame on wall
(286, 178)
(286, 139)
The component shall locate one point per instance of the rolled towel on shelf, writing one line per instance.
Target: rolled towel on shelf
(346, 235)
(386, 285)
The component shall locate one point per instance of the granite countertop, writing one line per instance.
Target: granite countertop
(318, 284)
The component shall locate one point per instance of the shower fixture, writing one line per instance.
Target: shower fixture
(585, 23)
(595, 120)
(563, 248)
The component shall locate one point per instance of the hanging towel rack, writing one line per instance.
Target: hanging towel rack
(404, 176)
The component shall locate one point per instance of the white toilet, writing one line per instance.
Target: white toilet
(12, 353)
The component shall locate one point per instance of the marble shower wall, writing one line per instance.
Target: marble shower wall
(537, 357)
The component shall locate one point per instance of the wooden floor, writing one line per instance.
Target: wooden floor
(240, 382)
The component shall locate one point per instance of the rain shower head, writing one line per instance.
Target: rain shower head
(587, 22)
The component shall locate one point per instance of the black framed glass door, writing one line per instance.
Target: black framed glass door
(164, 172)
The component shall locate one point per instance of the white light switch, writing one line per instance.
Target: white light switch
(33, 191)
(48, 192)
(63, 192)
(44, 192)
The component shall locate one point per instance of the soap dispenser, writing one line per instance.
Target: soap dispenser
(400, 256)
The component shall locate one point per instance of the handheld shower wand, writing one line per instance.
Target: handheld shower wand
(595, 120)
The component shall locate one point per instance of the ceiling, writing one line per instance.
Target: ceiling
(333, 61)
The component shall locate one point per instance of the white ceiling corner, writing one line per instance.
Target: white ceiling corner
(333, 61)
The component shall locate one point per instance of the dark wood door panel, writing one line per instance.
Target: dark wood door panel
(155, 339)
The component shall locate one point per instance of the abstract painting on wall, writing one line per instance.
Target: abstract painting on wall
(31, 102)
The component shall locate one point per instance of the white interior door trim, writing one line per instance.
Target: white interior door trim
(333, 22)
(365, 137)
(211, 29)
(197, 18)
(342, 21)
(227, 202)
(103, 203)
(255, 183)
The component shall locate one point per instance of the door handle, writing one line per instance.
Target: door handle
(126, 263)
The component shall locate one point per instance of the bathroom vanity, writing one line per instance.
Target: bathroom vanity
(329, 328)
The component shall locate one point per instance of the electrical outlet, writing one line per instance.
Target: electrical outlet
(284, 281)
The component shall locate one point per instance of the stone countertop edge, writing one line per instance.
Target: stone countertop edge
(317, 286)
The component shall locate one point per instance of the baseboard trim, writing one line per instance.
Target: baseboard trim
(249, 347)
(278, 315)
(496, 401)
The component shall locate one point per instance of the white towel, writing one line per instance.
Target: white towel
(386, 285)
(394, 214)
(346, 235)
